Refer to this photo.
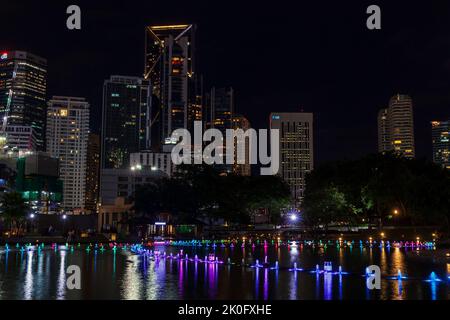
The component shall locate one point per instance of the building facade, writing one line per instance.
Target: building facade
(170, 67)
(122, 183)
(67, 140)
(37, 179)
(396, 127)
(21, 138)
(440, 132)
(23, 85)
(125, 122)
(92, 172)
(296, 149)
(152, 161)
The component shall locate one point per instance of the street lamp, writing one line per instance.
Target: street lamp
(64, 218)
(293, 217)
(395, 212)
(32, 216)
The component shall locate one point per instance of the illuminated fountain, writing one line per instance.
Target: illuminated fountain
(295, 268)
(276, 267)
(257, 265)
(433, 278)
(327, 267)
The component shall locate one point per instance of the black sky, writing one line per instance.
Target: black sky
(279, 56)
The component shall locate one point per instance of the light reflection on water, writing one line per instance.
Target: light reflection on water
(122, 275)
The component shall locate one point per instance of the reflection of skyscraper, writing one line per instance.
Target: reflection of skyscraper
(170, 67)
(125, 120)
(440, 131)
(67, 139)
(296, 149)
(23, 83)
(395, 127)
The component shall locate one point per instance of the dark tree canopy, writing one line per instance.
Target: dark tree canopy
(199, 193)
(371, 187)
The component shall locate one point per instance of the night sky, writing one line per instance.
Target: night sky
(279, 56)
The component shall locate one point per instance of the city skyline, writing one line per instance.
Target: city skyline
(347, 108)
(215, 154)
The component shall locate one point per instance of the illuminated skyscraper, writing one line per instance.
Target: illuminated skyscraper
(241, 122)
(396, 128)
(125, 122)
(219, 112)
(67, 140)
(296, 149)
(440, 131)
(92, 172)
(23, 84)
(220, 109)
(384, 142)
(170, 67)
(401, 127)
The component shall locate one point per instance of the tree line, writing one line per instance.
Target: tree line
(375, 188)
(200, 193)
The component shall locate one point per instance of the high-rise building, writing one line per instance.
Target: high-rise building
(125, 120)
(67, 139)
(170, 67)
(23, 84)
(440, 132)
(296, 149)
(220, 109)
(92, 172)
(196, 112)
(396, 127)
(401, 127)
(241, 122)
(384, 142)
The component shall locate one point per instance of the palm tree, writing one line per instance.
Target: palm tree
(13, 209)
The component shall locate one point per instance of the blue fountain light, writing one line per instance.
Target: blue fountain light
(257, 264)
(328, 266)
(295, 268)
(433, 278)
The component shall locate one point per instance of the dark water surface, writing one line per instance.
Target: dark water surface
(124, 275)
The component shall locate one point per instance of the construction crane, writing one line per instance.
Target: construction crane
(3, 133)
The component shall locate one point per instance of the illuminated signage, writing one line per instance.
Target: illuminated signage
(275, 117)
(4, 56)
